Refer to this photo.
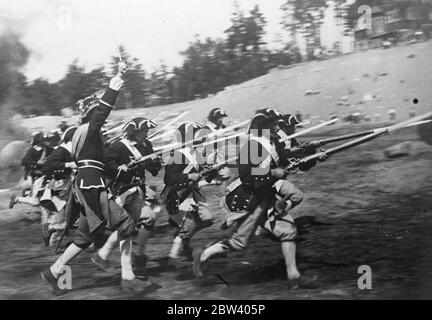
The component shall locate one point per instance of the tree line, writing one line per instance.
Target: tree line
(208, 67)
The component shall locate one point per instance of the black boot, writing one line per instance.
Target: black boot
(104, 265)
(187, 251)
(137, 286)
(139, 263)
(303, 282)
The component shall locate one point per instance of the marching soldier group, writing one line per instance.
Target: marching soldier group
(96, 183)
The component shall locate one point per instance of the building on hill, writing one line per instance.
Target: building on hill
(395, 21)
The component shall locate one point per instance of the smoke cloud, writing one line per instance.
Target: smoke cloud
(13, 57)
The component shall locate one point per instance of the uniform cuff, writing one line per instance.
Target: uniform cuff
(109, 97)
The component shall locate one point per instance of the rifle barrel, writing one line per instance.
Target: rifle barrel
(342, 147)
(342, 137)
(300, 133)
(356, 142)
(167, 125)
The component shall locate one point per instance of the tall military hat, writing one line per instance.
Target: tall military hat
(139, 123)
(260, 121)
(38, 138)
(264, 118)
(291, 119)
(271, 113)
(188, 129)
(86, 105)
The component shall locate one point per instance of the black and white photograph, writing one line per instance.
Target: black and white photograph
(183, 150)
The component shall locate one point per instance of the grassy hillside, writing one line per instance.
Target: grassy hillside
(389, 75)
(393, 77)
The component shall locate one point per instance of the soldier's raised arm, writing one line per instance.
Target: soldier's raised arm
(106, 104)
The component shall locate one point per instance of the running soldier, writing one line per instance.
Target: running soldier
(181, 189)
(58, 171)
(259, 196)
(97, 212)
(33, 175)
(128, 183)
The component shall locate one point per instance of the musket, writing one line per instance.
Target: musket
(323, 142)
(300, 133)
(167, 125)
(201, 142)
(212, 134)
(196, 142)
(217, 166)
(245, 134)
(115, 128)
(369, 137)
(179, 145)
(227, 129)
(160, 136)
(207, 171)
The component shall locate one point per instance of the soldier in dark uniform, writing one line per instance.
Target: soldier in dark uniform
(58, 170)
(259, 196)
(181, 186)
(128, 183)
(32, 163)
(97, 212)
(32, 160)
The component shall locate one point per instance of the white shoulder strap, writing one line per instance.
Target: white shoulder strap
(78, 140)
(212, 127)
(283, 137)
(234, 185)
(192, 160)
(268, 146)
(135, 152)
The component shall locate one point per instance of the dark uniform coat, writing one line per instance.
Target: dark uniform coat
(91, 144)
(178, 187)
(54, 165)
(88, 151)
(119, 154)
(30, 161)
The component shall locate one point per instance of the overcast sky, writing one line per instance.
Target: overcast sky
(58, 31)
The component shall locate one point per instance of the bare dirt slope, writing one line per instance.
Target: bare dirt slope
(359, 209)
